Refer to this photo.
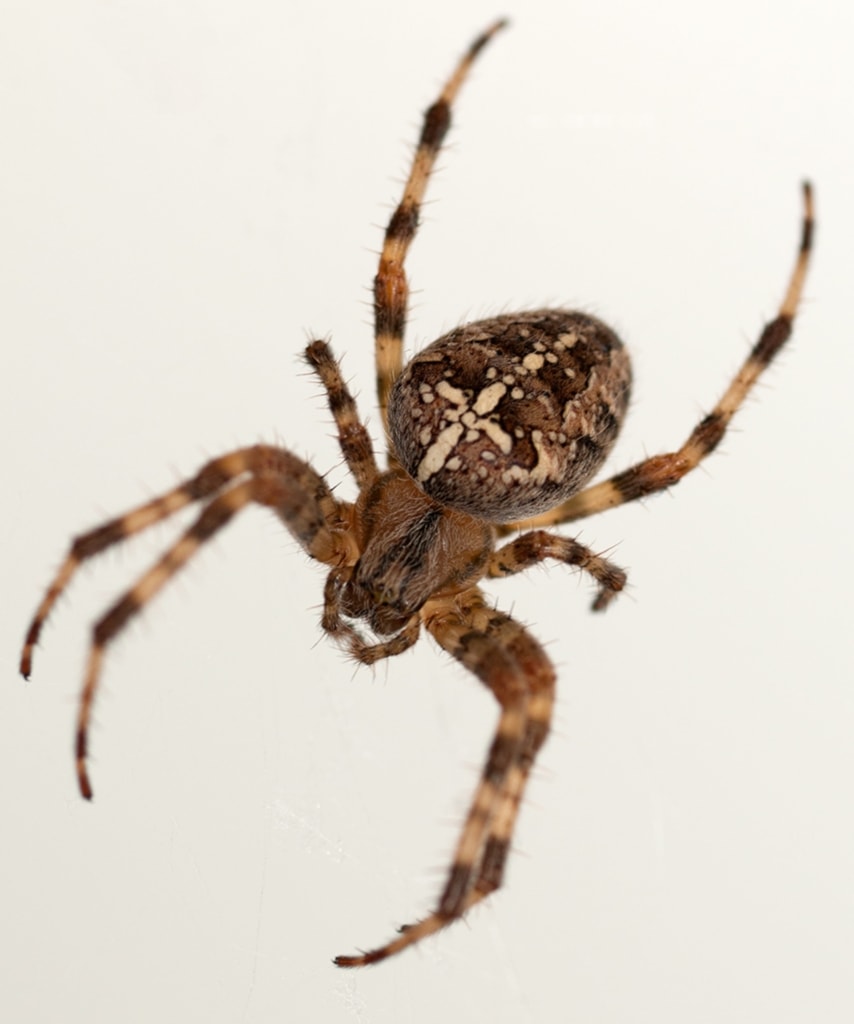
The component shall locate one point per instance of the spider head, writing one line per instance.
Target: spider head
(412, 549)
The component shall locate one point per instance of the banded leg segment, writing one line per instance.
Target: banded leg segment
(491, 873)
(219, 512)
(663, 471)
(534, 547)
(529, 660)
(503, 655)
(210, 479)
(308, 520)
(264, 475)
(353, 438)
(391, 289)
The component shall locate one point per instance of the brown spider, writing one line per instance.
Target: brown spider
(493, 428)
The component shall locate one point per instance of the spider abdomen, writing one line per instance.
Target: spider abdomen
(507, 417)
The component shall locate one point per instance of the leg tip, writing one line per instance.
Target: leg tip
(26, 664)
(350, 961)
(83, 782)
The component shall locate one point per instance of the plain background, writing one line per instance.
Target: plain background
(187, 190)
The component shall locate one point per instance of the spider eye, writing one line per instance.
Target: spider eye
(507, 417)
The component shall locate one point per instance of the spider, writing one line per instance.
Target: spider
(494, 429)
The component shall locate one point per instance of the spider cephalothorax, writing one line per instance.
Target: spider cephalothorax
(494, 429)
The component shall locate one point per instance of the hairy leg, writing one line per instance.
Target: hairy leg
(353, 438)
(663, 471)
(534, 547)
(391, 288)
(510, 662)
(209, 480)
(264, 475)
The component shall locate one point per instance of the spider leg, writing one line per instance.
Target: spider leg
(262, 474)
(214, 516)
(534, 547)
(210, 479)
(491, 872)
(663, 471)
(353, 438)
(391, 290)
(504, 656)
